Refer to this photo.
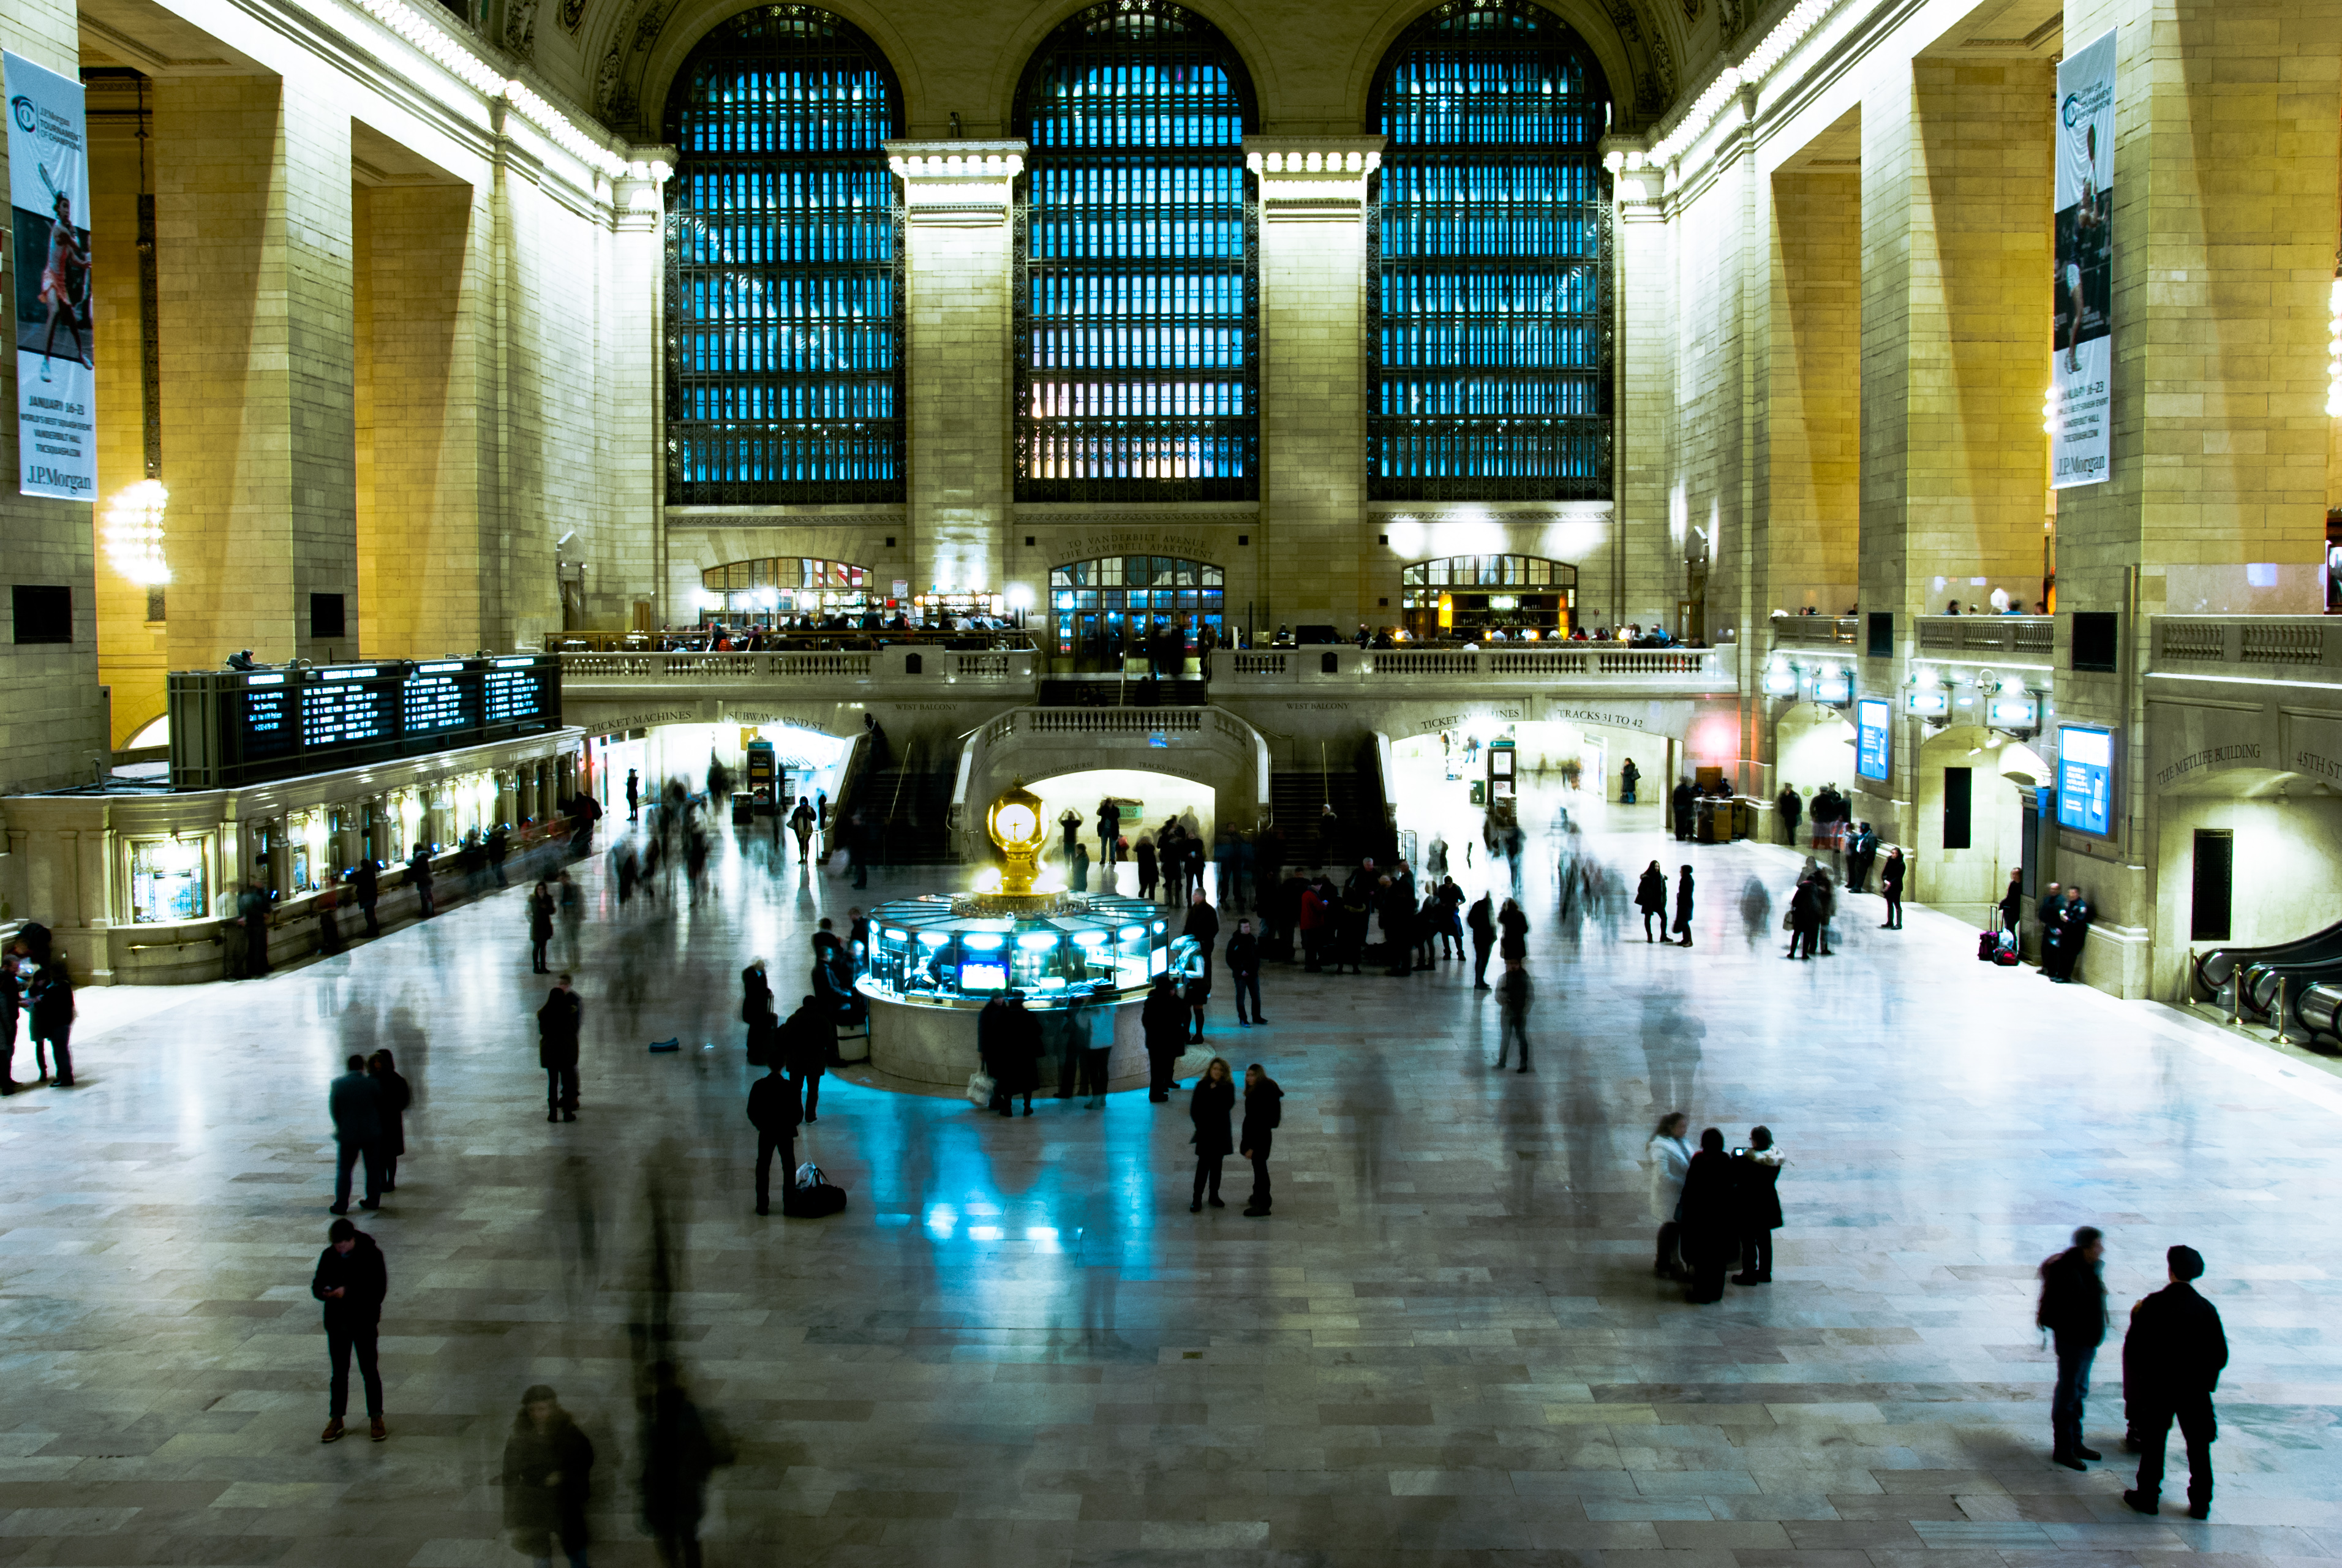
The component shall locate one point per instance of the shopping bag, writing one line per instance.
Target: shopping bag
(979, 1089)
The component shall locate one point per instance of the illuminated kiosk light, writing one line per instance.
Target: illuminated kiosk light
(1082, 963)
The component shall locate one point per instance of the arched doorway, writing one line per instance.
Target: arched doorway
(775, 589)
(1105, 610)
(1481, 598)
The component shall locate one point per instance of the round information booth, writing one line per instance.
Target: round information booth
(1082, 963)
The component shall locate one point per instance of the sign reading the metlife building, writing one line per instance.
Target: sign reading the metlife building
(2081, 361)
(49, 200)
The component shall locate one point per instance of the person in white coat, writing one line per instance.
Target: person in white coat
(1667, 1156)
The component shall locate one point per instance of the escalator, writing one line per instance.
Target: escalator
(2310, 969)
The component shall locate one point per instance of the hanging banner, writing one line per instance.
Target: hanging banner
(48, 198)
(2082, 363)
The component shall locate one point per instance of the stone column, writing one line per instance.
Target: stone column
(254, 248)
(958, 268)
(1813, 401)
(1643, 401)
(56, 729)
(1316, 533)
(2227, 163)
(1955, 300)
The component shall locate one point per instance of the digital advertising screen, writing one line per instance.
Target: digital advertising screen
(1871, 741)
(2086, 780)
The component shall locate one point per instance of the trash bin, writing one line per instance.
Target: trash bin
(744, 807)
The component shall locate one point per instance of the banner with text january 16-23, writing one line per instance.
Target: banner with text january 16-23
(2081, 371)
(48, 200)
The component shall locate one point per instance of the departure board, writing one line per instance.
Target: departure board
(235, 727)
(354, 707)
(267, 718)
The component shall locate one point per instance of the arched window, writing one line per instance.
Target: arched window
(1488, 313)
(1105, 610)
(780, 588)
(784, 293)
(1137, 365)
(1467, 598)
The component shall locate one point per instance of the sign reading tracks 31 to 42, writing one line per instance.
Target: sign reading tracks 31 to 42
(48, 200)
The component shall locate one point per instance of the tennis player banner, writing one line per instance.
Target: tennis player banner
(2081, 367)
(48, 200)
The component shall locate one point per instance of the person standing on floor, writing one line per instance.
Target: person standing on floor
(1162, 1018)
(352, 1280)
(1082, 1032)
(50, 999)
(1890, 886)
(2179, 1349)
(1707, 1212)
(540, 926)
(1790, 808)
(397, 1095)
(634, 795)
(2072, 923)
(1144, 855)
(559, 1022)
(1682, 907)
(1482, 920)
(1514, 997)
(1209, 1108)
(1651, 898)
(367, 882)
(1667, 1157)
(548, 1470)
(418, 877)
(1243, 974)
(2012, 903)
(1019, 1060)
(1512, 933)
(1264, 1113)
(354, 1100)
(803, 1045)
(1682, 804)
(773, 1112)
(2072, 1309)
(12, 1008)
(1628, 777)
(1758, 1194)
(1204, 925)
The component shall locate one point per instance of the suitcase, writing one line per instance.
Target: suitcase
(1987, 946)
(2004, 951)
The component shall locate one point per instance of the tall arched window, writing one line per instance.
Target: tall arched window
(784, 293)
(1489, 311)
(1138, 364)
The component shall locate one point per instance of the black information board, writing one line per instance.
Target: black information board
(235, 727)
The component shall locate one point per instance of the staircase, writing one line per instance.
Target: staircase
(1113, 692)
(1296, 797)
(908, 811)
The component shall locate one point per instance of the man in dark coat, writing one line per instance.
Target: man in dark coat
(418, 877)
(2073, 1308)
(354, 1100)
(367, 882)
(1164, 1018)
(1683, 802)
(2177, 1350)
(1705, 1216)
(1756, 1194)
(1264, 1113)
(1482, 922)
(1204, 925)
(558, 1025)
(805, 1041)
(773, 1112)
(1243, 973)
(2069, 923)
(1790, 807)
(351, 1280)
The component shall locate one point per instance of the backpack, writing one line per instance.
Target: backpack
(1987, 945)
(2005, 952)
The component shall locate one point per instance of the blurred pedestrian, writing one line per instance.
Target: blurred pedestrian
(1683, 905)
(1890, 885)
(540, 926)
(680, 1449)
(367, 882)
(1514, 997)
(351, 1280)
(1163, 1018)
(50, 998)
(395, 1097)
(1651, 898)
(1243, 956)
(805, 1041)
(1483, 922)
(547, 1478)
(354, 1100)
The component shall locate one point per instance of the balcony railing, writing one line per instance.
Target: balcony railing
(1396, 671)
(1802, 631)
(2264, 647)
(899, 666)
(2012, 636)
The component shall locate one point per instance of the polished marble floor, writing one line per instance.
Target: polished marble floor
(1017, 1347)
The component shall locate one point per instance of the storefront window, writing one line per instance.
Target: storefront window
(779, 588)
(168, 880)
(1473, 598)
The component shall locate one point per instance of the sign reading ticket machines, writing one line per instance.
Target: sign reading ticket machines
(48, 200)
(2081, 367)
